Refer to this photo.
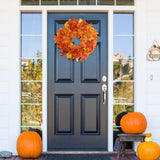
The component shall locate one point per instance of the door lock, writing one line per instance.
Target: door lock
(104, 87)
(104, 78)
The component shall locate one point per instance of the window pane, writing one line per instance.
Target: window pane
(49, 2)
(68, 2)
(104, 2)
(31, 23)
(31, 46)
(123, 24)
(117, 109)
(123, 92)
(31, 69)
(122, 68)
(31, 115)
(30, 2)
(123, 45)
(125, 2)
(87, 2)
(31, 92)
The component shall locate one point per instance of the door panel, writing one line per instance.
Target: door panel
(63, 114)
(77, 117)
(90, 118)
(60, 75)
(92, 64)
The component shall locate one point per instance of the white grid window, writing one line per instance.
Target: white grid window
(123, 64)
(123, 68)
(31, 71)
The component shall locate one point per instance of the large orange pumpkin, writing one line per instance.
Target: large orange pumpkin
(148, 150)
(29, 145)
(133, 123)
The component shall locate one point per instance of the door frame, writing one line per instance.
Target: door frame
(110, 10)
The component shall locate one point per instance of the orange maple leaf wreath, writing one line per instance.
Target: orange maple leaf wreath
(84, 32)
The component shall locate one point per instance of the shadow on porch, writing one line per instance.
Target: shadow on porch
(113, 156)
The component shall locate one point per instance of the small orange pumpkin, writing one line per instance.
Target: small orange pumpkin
(29, 145)
(148, 150)
(148, 137)
(133, 123)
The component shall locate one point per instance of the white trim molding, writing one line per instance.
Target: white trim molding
(75, 8)
(44, 76)
(110, 80)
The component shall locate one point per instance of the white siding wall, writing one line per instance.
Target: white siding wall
(153, 69)
(9, 74)
(147, 91)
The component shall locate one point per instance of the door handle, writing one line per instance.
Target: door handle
(104, 89)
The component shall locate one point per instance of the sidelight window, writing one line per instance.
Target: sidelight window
(123, 67)
(31, 71)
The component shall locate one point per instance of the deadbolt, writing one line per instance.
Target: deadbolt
(104, 78)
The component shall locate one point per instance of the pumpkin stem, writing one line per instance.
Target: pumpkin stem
(148, 134)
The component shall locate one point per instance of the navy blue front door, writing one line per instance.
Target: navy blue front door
(77, 116)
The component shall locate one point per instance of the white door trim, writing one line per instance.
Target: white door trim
(44, 76)
(80, 8)
(110, 80)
